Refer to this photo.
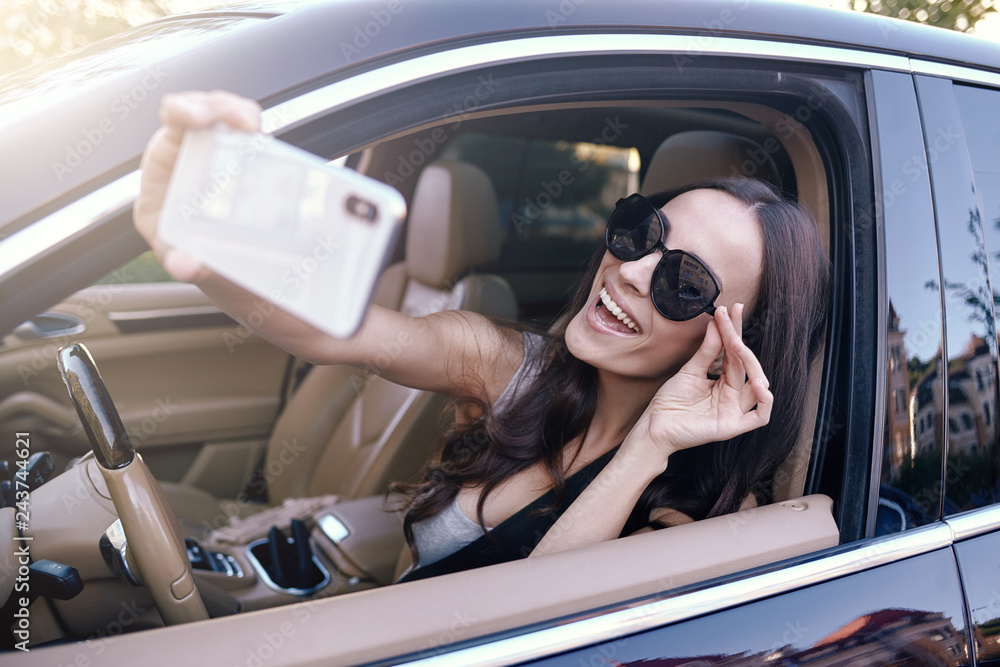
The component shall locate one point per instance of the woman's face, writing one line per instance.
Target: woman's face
(711, 224)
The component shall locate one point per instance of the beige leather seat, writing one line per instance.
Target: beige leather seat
(687, 157)
(347, 431)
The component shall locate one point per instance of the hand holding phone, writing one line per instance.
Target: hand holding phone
(282, 223)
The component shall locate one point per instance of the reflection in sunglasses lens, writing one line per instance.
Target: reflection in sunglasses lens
(682, 286)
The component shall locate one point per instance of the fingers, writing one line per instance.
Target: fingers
(204, 109)
(736, 315)
(743, 372)
(182, 266)
(732, 365)
(764, 400)
(710, 347)
(179, 112)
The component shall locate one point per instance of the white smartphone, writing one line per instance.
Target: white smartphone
(282, 223)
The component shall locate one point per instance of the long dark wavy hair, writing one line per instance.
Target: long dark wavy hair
(784, 329)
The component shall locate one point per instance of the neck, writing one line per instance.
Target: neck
(620, 402)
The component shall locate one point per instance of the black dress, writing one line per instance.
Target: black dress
(518, 536)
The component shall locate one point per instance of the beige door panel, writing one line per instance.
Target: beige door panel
(420, 613)
(179, 370)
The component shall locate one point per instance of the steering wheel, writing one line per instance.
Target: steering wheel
(154, 538)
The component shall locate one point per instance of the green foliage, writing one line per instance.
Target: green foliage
(960, 15)
(915, 369)
(143, 269)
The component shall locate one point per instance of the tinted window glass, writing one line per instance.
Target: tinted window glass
(554, 199)
(980, 110)
(145, 268)
(970, 333)
(913, 440)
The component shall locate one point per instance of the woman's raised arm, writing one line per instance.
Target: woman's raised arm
(456, 353)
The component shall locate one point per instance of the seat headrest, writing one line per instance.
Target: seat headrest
(453, 223)
(687, 157)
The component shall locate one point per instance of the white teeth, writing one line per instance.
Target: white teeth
(617, 311)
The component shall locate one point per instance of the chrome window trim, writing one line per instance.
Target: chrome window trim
(89, 210)
(974, 522)
(882, 307)
(433, 65)
(56, 227)
(955, 72)
(649, 615)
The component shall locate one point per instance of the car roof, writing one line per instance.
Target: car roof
(95, 100)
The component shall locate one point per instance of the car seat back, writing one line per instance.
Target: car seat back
(350, 432)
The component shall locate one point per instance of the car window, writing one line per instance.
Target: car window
(553, 198)
(913, 439)
(970, 333)
(145, 268)
(978, 109)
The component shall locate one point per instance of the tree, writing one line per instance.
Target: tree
(961, 15)
(34, 30)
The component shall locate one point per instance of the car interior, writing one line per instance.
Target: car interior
(505, 210)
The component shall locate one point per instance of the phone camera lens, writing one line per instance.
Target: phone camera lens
(361, 208)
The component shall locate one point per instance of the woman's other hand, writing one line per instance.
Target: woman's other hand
(179, 112)
(691, 409)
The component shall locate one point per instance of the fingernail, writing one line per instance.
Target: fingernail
(722, 310)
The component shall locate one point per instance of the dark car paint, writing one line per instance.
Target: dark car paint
(908, 613)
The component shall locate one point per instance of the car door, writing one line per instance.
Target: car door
(198, 392)
(967, 193)
(894, 595)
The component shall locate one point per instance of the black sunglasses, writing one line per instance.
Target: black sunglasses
(682, 287)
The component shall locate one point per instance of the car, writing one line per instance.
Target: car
(510, 130)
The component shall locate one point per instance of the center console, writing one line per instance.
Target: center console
(308, 547)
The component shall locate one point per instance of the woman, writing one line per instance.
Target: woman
(650, 367)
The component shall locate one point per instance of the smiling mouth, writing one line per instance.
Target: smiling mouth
(612, 315)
